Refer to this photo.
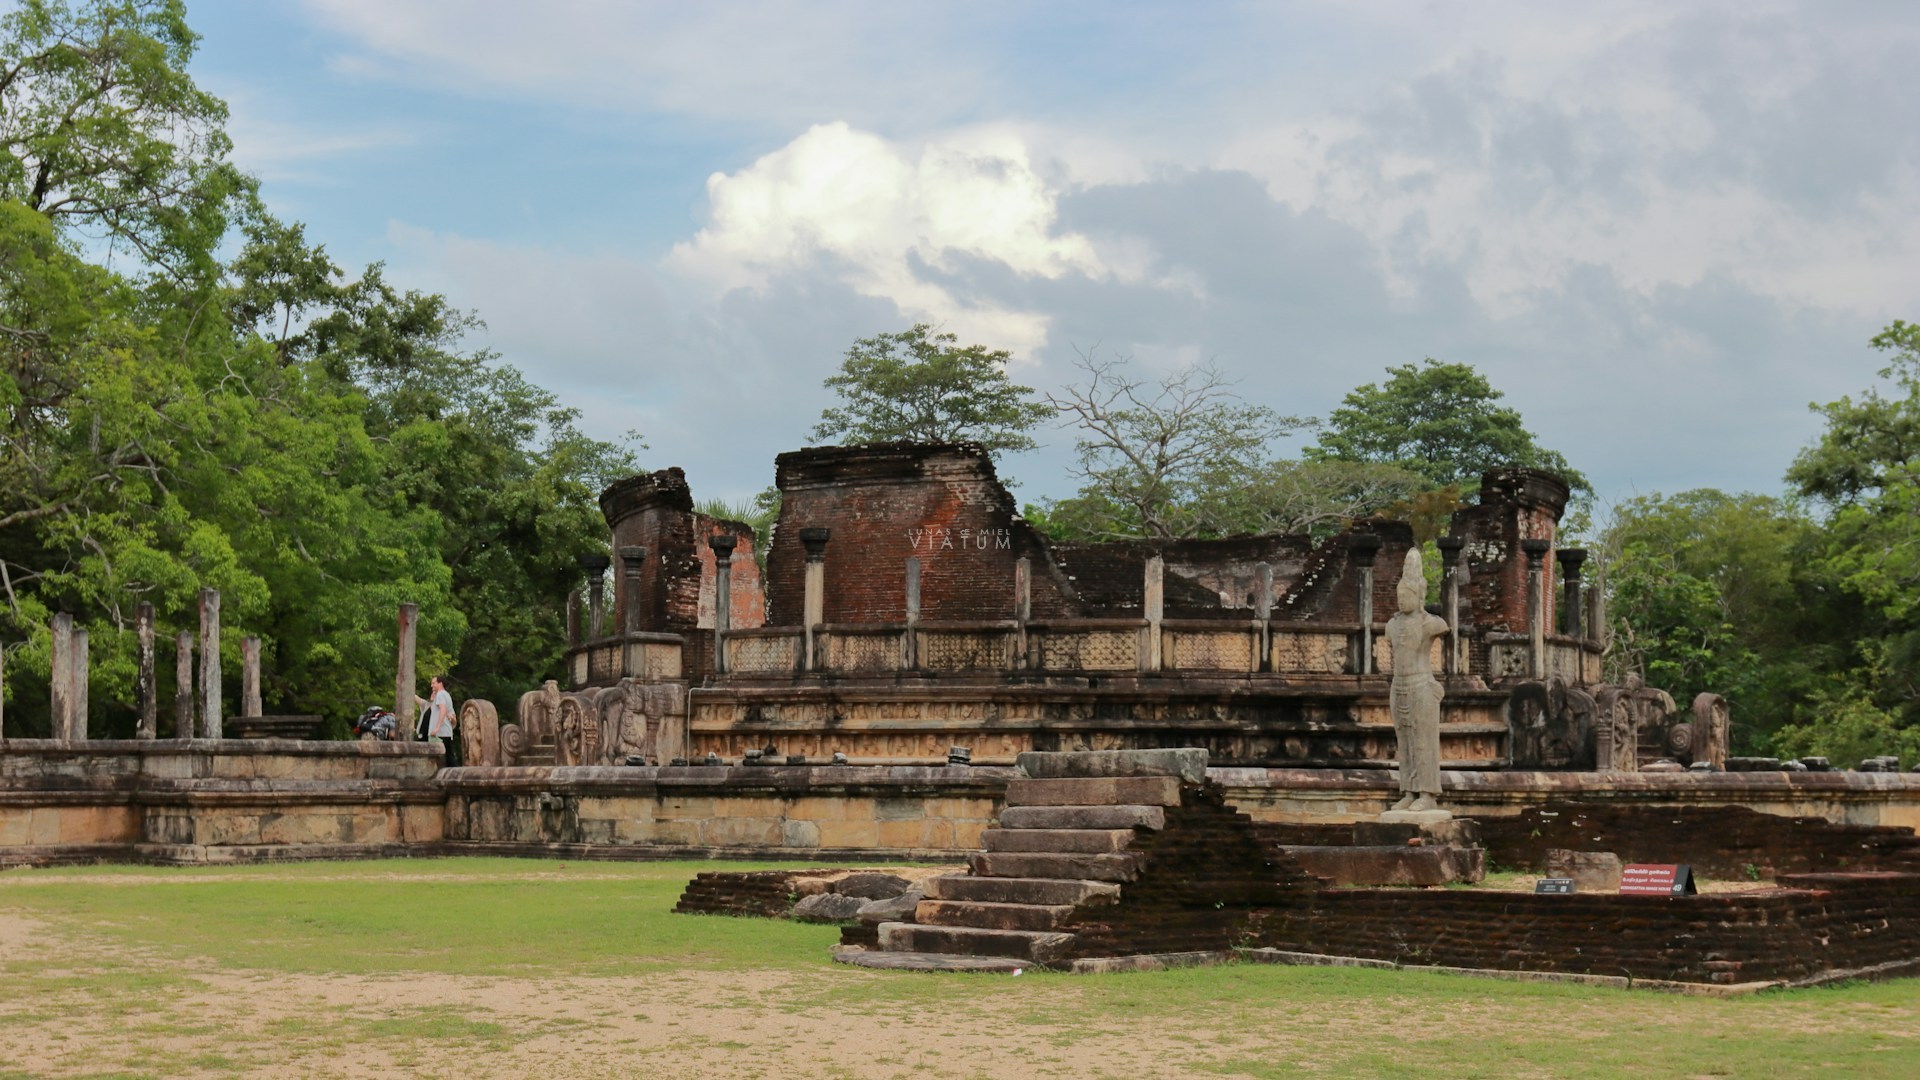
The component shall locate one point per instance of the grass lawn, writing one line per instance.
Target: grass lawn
(497, 967)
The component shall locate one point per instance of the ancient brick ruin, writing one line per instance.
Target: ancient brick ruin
(907, 608)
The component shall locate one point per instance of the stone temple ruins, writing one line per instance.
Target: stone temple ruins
(1143, 753)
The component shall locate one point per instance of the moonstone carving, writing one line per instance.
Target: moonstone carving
(1415, 696)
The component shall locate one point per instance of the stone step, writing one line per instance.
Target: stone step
(1087, 841)
(1036, 945)
(1083, 817)
(1045, 891)
(1096, 791)
(922, 961)
(1189, 764)
(1034, 864)
(991, 916)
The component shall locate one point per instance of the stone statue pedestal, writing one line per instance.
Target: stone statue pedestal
(1415, 817)
(1430, 827)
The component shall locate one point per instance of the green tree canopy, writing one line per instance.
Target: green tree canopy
(1440, 420)
(106, 132)
(1865, 471)
(919, 385)
(317, 447)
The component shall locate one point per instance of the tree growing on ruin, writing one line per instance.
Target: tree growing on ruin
(1162, 458)
(920, 385)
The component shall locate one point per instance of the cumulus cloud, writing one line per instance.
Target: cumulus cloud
(890, 220)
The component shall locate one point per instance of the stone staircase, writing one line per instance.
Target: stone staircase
(1103, 854)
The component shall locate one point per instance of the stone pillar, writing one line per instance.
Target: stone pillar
(596, 567)
(633, 562)
(210, 707)
(1022, 610)
(1453, 654)
(1570, 560)
(146, 688)
(78, 726)
(1153, 605)
(183, 685)
(910, 645)
(722, 545)
(3, 695)
(814, 601)
(573, 617)
(1536, 606)
(1263, 614)
(1365, 546)
(60, 678)
(250, 676)
(403, 680)
(1597, 608)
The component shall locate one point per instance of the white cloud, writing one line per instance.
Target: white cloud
(881, 215)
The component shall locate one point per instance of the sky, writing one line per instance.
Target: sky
(1663, 230)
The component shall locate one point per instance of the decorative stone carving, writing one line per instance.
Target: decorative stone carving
(513, 744)
(539, 712)
(577, 742)
(631, 716)
(1712, 729)
(1551, 725)
(479, 733)
(1415, 694)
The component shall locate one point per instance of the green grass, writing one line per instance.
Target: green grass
(147, 943)
(366, 918)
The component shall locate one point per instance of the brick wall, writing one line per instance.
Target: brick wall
(678, 575)
(1819, 924)
(1514, 505)
(1717, 841)
(884, 504)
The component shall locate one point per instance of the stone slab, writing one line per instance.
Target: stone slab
(919, 961)
(1080, 841)
(1019, 890)
(1096, 791)
(1190, 765)
(1460, 832)
(1084, 817)
(1591, 871)
(1423, 818)
(1109, 965)
(1036, 945)
(991, 916)
(1033, 864)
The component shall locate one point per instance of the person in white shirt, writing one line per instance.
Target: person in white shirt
(437, 721)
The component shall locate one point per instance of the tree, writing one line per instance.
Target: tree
(319, 449)
(1865, 471)
(105, 131)
(1720, 592)
(1439, 420)
(922, 386)
(1156, 459)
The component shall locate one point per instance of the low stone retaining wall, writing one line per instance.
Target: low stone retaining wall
(1346, 795)
(214, 800)
(252, 800)
(850, 812)
(1816, 928)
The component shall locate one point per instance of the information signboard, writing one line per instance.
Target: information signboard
(1657, 879)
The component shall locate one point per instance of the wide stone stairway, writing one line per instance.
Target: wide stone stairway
(1096, 856)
